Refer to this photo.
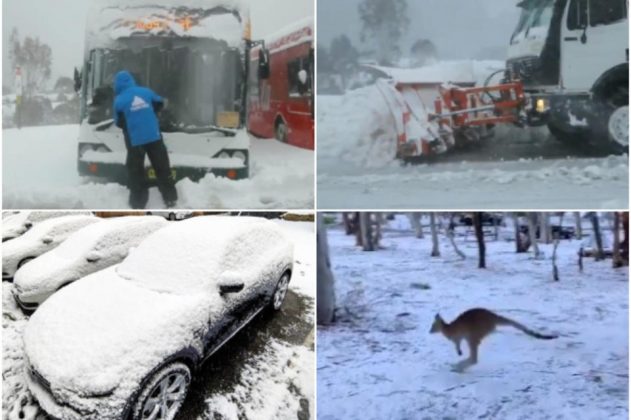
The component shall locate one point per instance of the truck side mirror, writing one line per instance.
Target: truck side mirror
(264, 68)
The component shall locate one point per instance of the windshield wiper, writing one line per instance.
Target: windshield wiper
(204, 129)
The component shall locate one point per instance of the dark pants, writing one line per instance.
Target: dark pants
(138, 188)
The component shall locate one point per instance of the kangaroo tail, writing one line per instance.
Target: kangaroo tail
(506, 321)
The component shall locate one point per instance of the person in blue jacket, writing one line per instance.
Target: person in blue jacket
(135, 109)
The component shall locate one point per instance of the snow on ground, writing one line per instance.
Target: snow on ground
(379, 361)
(40, 171)
(356, 169)
(278, 379)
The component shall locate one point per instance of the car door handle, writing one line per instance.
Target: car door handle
(570, 38)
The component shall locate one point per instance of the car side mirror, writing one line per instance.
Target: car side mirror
(47, 240)
(93, 257)
(230, 282)
(225, 289)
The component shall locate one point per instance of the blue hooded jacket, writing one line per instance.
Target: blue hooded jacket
(136, 104)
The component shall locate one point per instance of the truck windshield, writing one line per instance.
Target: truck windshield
(535, 14)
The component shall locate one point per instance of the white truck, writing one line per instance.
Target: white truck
(572, 57)
(192, 54)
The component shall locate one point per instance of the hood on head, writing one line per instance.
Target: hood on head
(122, 81)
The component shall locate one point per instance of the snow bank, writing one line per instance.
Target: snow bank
(454, 71)
(281, 177)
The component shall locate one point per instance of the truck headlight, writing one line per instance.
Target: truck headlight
(541, 106)
(239, 155)
(223, 155)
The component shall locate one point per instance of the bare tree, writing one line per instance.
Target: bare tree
(555, 270)
(432, 223)
(325, 280)
(349, 223)
(544, 227)
(532, 233)
(417, 225)
(366, 228)
(579, 226)
(519, 245)
(600, 253)
(617, 258)
(451, 231)
(479, 234)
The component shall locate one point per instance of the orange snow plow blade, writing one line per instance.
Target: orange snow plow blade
(479, 106)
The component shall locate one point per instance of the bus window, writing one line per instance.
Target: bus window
(254, 79)
(299, 77)
(605, 12)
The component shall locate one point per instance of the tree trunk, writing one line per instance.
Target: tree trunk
(519, 246)
(600, 254)
(496, 228)
(451, 232)
(325, 280)
(366, 231)
(348, 224)
(432, 223)
(579, 227)
(617, 259)
(479, 234)
(358, 232)
(555, 270)
(417, 225)
(544, 227)
(624, 246)
(532, 233)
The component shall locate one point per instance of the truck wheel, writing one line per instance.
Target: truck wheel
(578, 139)
(610, 121)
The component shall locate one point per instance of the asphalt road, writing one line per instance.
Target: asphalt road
(221, 373)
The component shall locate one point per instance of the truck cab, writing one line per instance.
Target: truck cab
(572, 57)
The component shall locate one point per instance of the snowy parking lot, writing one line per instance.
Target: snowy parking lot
(40, 171)
(265, 371)
(519, 168)
(379, 361)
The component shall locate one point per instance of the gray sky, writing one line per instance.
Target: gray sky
(458, 28)
(61, 24)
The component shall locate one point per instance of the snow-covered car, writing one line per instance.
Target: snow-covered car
(39, 239)
(124, 342)
(172, 215)
(86, 251)
(16, 224)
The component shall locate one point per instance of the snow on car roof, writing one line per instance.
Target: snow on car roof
(58, 225)
(87, 237)
(188, 256)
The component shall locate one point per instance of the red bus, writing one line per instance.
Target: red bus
(280, 104)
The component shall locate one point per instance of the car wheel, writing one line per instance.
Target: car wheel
(164, 394)
(24, 261)
(171, 216)
(280, 292)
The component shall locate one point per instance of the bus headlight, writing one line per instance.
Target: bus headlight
(239, 155)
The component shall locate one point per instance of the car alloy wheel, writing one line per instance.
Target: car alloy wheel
(281, 291)
(164, 394)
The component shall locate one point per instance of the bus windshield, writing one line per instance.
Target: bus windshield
(535, 14)
(200, 70)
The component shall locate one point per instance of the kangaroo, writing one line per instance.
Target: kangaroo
(473, 326)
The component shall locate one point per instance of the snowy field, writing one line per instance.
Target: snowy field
(519, 169)
(40, 171)
(265, 371)
(380, 362)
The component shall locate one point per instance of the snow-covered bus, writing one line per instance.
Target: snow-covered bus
(281, 102)
(192, 53)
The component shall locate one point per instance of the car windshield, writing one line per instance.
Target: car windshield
(535, 14)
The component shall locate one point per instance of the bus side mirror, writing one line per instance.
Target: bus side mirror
(77, 80)
(264, 69)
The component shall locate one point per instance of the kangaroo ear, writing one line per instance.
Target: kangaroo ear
(437, 316)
